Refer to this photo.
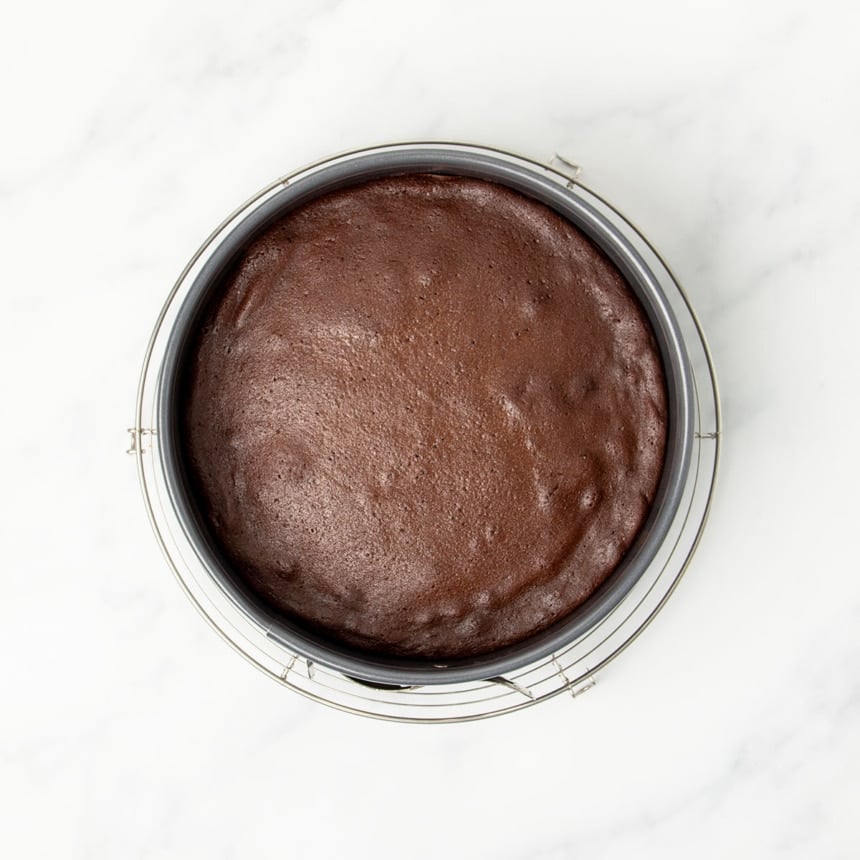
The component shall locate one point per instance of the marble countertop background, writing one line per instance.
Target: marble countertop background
(729, 132)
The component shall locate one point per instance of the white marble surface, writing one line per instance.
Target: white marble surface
(728, 131)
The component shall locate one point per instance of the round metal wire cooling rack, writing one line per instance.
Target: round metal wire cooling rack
(572, 669)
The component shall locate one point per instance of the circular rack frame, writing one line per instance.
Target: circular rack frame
(570, 669)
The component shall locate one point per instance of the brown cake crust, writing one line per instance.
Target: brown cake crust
(426, 416)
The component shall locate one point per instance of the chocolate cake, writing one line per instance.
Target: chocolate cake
(424, 416)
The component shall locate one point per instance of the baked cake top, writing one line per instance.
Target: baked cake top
(425, 416)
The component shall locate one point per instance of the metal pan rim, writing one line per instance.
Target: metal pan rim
(522, 176)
